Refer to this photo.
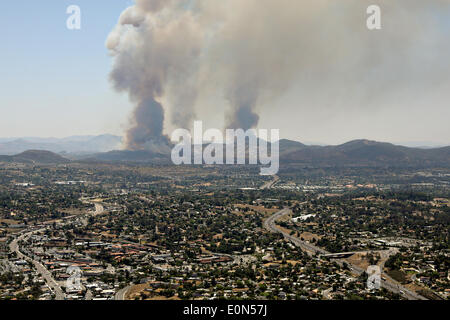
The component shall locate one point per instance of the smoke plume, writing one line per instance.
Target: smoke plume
(155, 43)
(170, 56)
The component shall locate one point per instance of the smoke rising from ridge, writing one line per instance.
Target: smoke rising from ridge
(169, 56)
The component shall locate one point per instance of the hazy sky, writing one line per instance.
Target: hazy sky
(348, 82)
(54, 81)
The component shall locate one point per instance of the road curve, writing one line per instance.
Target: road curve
(42, 270)
(390, 285)
(120, 295)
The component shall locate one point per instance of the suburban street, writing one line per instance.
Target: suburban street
(51, 282)
(55, 287)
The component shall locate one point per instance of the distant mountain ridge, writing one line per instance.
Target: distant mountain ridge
(353, 153)
(367, 153)
(139, 156)
(73, 145)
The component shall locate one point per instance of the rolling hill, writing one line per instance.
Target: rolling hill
(354, 153)
(367, 153)
(36, 157)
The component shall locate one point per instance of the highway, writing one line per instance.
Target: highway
(51, 282)
(389, 284)
(270, 184)
(54, 286)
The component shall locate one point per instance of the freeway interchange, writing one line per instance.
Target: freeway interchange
(386, 282)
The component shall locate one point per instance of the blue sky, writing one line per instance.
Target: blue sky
(52, 73)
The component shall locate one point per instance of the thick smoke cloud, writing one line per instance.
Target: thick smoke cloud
(170, 56)
(149, 119)
(154, 44)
